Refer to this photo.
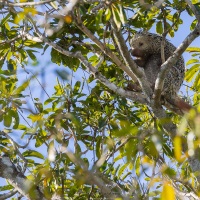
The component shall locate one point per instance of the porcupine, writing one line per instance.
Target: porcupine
(146, 48)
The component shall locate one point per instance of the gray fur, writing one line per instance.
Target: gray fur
(146, 47)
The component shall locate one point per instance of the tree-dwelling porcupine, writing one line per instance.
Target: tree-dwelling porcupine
(146, 48)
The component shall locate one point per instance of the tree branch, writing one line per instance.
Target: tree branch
(18, 180)
(8, 195)
(137, 97)
(170, 62)
(6, 3)
(103, 47)
(130, 63)
(15, 146)
(194, 10)
(91, 177)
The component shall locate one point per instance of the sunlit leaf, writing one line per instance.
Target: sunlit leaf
(116, 16)
(35, 118)
(190, 73)
(32, 153)
(168, 192)
(178, 148)
(107, 14)
(138, 166)
(21, 88)
(191, 61)
(122, 168)
(193, 49)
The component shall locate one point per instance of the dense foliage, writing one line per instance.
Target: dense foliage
(86, 140)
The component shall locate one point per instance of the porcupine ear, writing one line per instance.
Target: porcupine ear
(143, 32)
(139, 34)
(155, 36)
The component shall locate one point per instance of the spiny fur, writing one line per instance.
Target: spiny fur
(150, 54)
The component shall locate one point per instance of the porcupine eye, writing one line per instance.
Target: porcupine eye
(140, 44)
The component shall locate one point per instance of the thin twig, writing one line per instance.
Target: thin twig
(128, 94)
(8, 195)
(102, 46)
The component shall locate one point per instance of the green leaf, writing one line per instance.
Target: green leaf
(121, 14)
(32, 153)
(15, 115)
(196, 84)
(98, 147)
(137, 166)
(193, 24)
(119, 157)
(159, 27)
(10, 67)
(39, 106)
(31, 55)
(191, 61)
(7, 120)
(55, 57)
(35, 118)
(126, 175)
(77, 87)
(98, 18)
(21, 88)
(108, 14)
(122, 168)
(6, 187)
(22, 127)
(116, 16)
(189, 75)
(5, 19)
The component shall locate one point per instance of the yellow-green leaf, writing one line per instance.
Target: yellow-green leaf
(197, 82)
(121, 170)
(137, 166)
(159, 27)
(190, 73)
(32, 153)
(168, 192)
(107, 14)
(116, 17)
(193, 49)
(7, 120)
(21, 88)
(121, 14)
(20, 16)
(177, 148)
(35, 118)
(191, 61)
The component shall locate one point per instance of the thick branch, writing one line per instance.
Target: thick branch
(15, 146)
(194, 10)
(18, 180)
(91, 177)
(137, 97)
(129, 61)
(165, 67)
